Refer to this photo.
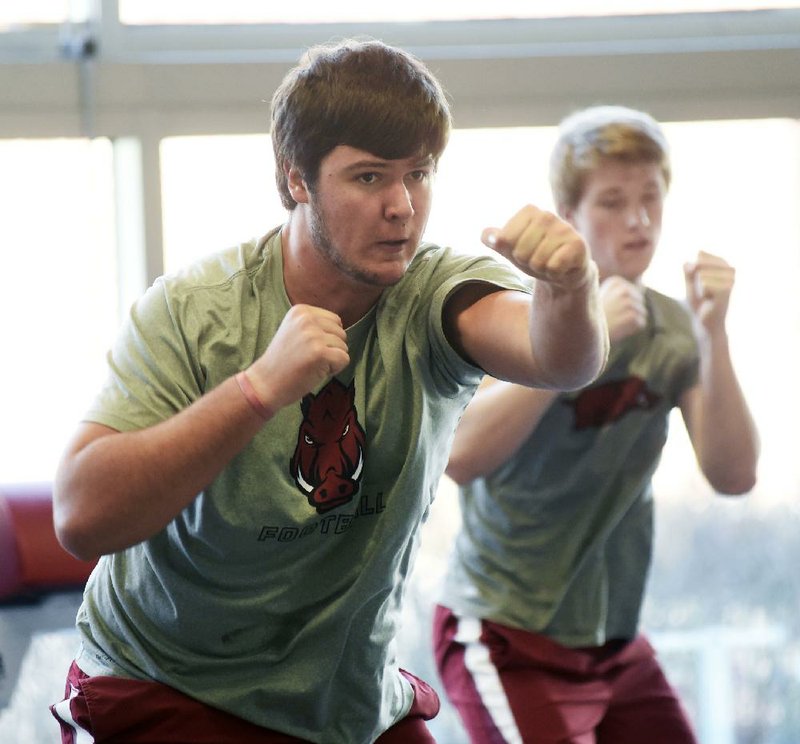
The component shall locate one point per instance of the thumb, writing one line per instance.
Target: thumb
(689, 272)
(489, 237)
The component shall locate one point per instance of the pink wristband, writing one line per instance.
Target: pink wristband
(252, 397)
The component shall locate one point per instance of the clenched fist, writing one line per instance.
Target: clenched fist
(624, 306)
(709, 282)
(309, 347)
(545, 247)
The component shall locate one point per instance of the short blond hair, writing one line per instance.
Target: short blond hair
(593, 135)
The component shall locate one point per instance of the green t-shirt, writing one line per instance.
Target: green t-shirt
(558, 540)
(275, 595)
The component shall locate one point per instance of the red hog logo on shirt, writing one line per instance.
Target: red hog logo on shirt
(329, 457)
(606, 403)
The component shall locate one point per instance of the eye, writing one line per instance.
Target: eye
(308, 440)
(344, 433)
(419, 175)
(368, 178)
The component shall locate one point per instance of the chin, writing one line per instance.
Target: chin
(633, 270)
(381, 279)
(390, 275)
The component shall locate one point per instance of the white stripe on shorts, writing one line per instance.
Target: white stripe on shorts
(62, 709)
(487, 681)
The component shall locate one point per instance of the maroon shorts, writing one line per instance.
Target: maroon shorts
(512, 686)
(116, 710)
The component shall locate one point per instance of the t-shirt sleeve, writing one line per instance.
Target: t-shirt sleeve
(151, 374)
(456, 271)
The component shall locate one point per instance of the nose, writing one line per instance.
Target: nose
(399, 205)
(638, 216)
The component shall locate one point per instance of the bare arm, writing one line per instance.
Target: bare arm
(558, 339)
(717, 417)
(113, 489)
(511, 412)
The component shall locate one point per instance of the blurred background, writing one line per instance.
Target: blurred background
(134, 139)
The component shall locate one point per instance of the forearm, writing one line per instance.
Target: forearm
(568, 334)
(725, 435)
(511, 412)
(117, 489)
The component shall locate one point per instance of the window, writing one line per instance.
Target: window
(217, 191)
(721, 603)
(14, 15)
(58, 307)
(322, 11)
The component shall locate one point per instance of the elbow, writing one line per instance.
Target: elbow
(460, 469)
(74, 535)
(572, 381)
(77, 549)
(457, 474)
(734, 482)
(734, 474)
(736, 488)
(569, 379)
(72, 524)
(574, 376)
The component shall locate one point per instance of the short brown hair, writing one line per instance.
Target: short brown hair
(364, 94)
(599, 133)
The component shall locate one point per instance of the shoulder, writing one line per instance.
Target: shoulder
(674, 349)
(671, 314)
(222, 268)
(219, 285)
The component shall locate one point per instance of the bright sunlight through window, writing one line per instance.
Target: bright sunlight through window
(323, 11)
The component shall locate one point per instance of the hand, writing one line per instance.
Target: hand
(709, 282)
(309, 347)
(545, 247)
(624, 306)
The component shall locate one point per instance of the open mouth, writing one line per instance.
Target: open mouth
(395, 244)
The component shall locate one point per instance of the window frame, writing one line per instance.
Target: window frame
(149, 82)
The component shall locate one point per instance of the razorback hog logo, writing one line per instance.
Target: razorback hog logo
(610, 402)
(329, 457)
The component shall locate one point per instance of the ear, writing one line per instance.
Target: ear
(296, 184)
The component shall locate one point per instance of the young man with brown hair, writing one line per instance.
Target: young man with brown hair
(275, 423)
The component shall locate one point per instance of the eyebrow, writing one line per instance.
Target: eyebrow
(373, 164)
(381, 164)
(616, 189)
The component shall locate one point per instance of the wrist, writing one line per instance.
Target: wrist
(577, 282)
(590, 281)
(252, 397)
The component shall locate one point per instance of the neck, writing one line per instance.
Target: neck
(310, 278)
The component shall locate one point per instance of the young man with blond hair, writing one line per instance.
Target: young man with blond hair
(536, 637)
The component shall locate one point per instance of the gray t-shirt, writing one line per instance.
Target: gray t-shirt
(275, 595)
(558, 540)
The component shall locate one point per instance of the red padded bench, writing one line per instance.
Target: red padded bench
(32, 561)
